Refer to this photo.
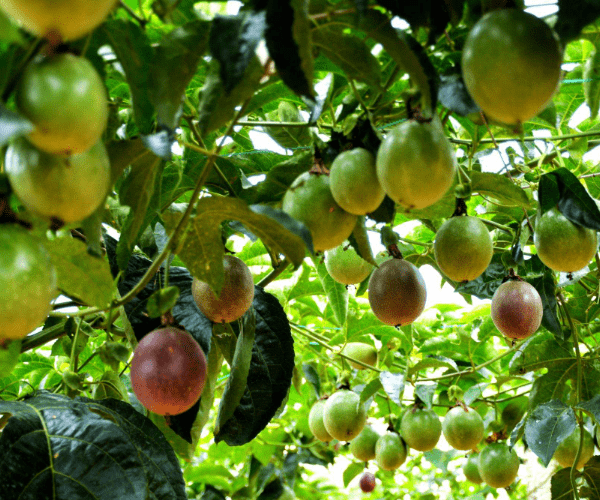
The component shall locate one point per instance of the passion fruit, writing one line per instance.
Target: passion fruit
(363, 445)
(236, 295)
(420, 428)
(463, 248)
(309, 201)
(471, 468)
(345, 266)
(561, 244)
(567, 449)
(397, 292)
(361, 352)
(416, 163)
(517, 309)
(344, 415)
(511, 65)
(498, 465)
(27, 282)
(390, 451)
(315, 422)
(463, 428)
(66, 188)
(367, 482)
(354, 184)
(65, 99)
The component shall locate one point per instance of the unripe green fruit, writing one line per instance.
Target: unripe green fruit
(567, 450)
(361, 352)
(513, 412)
(65, 99)
(27, 282)
(390, 451)
(354, 184)
(363, 445)
(498, 465)
(315, 422)
(420, 428)
(471, 468)
(66, 188)
(416, 164)
(511, 65)
(463, 428)
(345, 266)
(561, 244)
(309, 201)
(236, 295)
(517, 309)
(344, 415)
(397, 292)
(463, 248)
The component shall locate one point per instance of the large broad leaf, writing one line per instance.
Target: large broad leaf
(270, 374)
(539, 351)
(56, 447)
(500, 188)
(547, 426)
(485, 285)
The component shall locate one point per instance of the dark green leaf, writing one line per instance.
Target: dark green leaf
(539, 351)
(485, 286)
(453, 95)
(312, 376)
(591, 474)
(546, 287)
(592, 407)
(359, 239)
(573, 16)
(211, 493)
(561, 486)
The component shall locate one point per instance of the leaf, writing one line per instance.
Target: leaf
(201, 248)
(336, 293)
(12, 125)
(9, 32)
(425, 393)
(349, 52)
(270, 375)
(573, 16)
(86, 450)
(546, 287)
(289, 43)
(485, 285)
(311, 375)
(238, 376)
(474, 392)
(561, 486)
(162, 301)
(591, 82)
(211, 493)
(500, 188)
(433, 362)
(353, 470)
(453, 95)
(592, 407)
(539, 351)
(288, 137)
(547, 426)
(81, 275)
(393, 385)
(591, 474)
(359, 239)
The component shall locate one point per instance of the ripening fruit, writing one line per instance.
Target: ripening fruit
(353, 181)
(420, 428)
(561, 244)
(315, 422)
(471, 468)
(65, 99)
(517, 309)
(367, 482)
(66, 188)
(416, 163)
(168, 371)
(69, 19)
(390, 451)
(345, 266)
(498, 465)
(567, 449)
(361, 352)
(27, 282)
(463, 248)
(511, 65)
(309, 201)
(463, 428)
(363, 445)
(236, 294)
(397, 292)
(344, 415)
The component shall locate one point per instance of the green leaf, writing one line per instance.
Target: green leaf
(474, 392)
(162, 301)
(433, 362)
(288, 137)
(393, 385)
(9, 32)
(81, 275)
(561, 486)
(349, 52)
(336, 293)
(500, 188)
(425, 393)
(370, 390)
(359, 239)
(539, 351)
(353, 470)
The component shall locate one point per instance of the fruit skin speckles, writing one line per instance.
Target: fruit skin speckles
(517, 309)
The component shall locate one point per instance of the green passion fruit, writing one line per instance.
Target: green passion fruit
(345, 266)
(365, 353)
(344, 415)
(420, 428)
(517, 309)
(363, 445)
(65, 98)
(315, 422)
(498, 465)
(471, 468)
(236, 295)
(397, 292)
(66, 188)
(463, 428)
(511, 65)
(561, 244)
(463, 248)
(416, 163)
(66, 19)
(309, 201)
(354, 184)
(27, 282)
(390, 451)
(567, 449)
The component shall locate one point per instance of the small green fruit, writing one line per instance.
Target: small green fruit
(345, 266)
(463, 428)
(344, 415)
(354, 183)
(363, 445)
(567, 450)
(390, 451)
(420, 428)
(361, 352)
(315, 422)
(498, 465)
(471, 468)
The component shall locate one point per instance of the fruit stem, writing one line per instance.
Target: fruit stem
(495, 225)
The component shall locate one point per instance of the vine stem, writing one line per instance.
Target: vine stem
(274, 273)
(493, 224)
(496, 140)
